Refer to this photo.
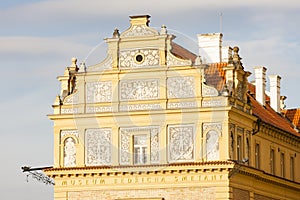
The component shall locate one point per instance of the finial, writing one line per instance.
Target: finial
(236, 58)
(82, 67)
(116, 33)
(74, 61)
(163, 30)
(198, 60)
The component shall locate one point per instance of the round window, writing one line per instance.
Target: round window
(139, 58)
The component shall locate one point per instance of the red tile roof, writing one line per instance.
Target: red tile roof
(270, 116)
(215, 75)
(294, 116)
(182, 53)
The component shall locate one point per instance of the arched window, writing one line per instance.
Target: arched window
(212, 145)
(69, 152)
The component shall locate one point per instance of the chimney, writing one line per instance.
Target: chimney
(275, 92)
(260, 84)
(210, 47)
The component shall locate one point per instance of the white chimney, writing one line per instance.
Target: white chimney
(260, 84)
(210, 47)
(275, 92)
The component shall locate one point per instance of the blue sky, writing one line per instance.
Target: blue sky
(39, 38)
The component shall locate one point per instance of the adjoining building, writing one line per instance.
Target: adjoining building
(156, 121)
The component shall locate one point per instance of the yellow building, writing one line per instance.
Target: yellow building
(155, 121)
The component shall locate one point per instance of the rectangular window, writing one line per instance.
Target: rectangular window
(282, 165)
(272, 161)
(140, 149)
(239, 148)
(257, 156)
(292, 168)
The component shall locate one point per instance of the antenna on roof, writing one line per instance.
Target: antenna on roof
(221, 16)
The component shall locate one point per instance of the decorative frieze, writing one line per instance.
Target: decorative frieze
(213, 103)
(181, 142)
(181, 87)
(179, 105)
(136, 107)
(98, 146)
(149, 58)
(98, 92)
(98, 109)
(126, 135)
(139, 89)
(69, 110)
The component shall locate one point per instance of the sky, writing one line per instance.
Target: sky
(39, 38)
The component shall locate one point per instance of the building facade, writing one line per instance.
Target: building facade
(155, 121)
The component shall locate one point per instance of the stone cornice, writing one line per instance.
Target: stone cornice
(279, 134)
(264, 177)
(141, 169)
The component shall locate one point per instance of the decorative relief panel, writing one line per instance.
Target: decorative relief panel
(98, 146)
(125, 149)
(98, 92)
(139, 30)
(65, 133)
(106, 64)
(181, 142)
(174, 61)
(71, 99)
(209, 91)
(181, 87)
(213, 125)
(128, 58)
(138, 90)
(190, 193)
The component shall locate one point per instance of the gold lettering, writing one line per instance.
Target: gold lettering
(162, 180)
(64, 183)
(94, 181)
(184, 178)
(72, 182)
(213, 177)
(142, 179)
(115, 181)
(192, 178)
(149, 179)
(176, 179)
(205, 178)
(221, 177)
(102, 181)
(80, 182)
(136, 179)
(129, 180)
